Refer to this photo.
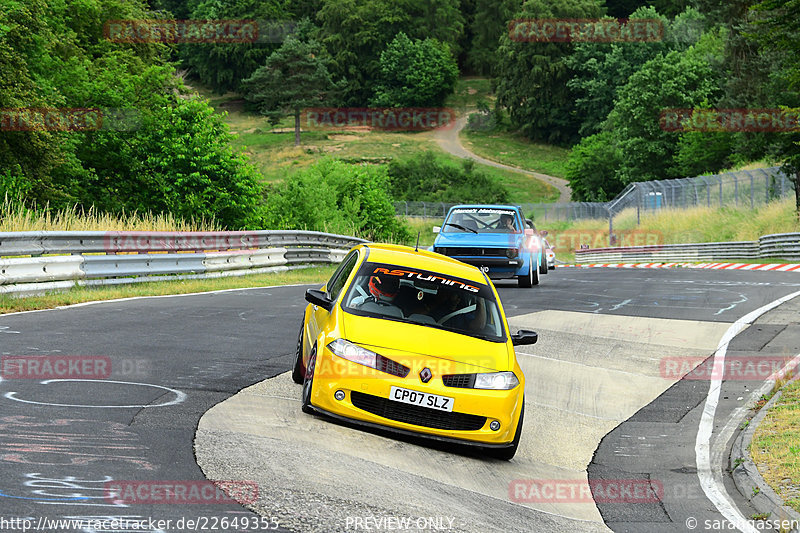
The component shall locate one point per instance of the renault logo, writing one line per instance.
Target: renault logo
(425, 375)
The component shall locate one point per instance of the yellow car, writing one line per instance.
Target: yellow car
(414, 342)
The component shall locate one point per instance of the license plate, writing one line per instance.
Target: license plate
(423, 399)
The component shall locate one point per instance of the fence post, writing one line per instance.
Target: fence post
(735, 188)
(752, 186)
(638, 206)
(719, 178)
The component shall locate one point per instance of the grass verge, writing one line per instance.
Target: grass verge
(776, 446)
(517, 151)
(15, 217)
(313, 275)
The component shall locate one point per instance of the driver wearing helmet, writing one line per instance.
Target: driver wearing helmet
(380, 290)
(506, 222)
(384, 288)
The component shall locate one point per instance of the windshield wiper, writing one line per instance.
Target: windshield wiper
(459, 226)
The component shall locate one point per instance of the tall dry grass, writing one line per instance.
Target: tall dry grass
(16, 217)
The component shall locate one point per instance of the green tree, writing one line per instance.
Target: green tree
(532, 76)
(490, 21)
(592, 168)
(601, 68)
(777, 30)
(294, 77)
(648, 149)
(223, 66)
(357, 31)
(415, 73)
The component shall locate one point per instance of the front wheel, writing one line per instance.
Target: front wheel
(506, 454)
(298, 372)
(543, 265)
(526, 280)
(308, 383)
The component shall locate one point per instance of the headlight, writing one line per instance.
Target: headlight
(353, 352)
(496, 381)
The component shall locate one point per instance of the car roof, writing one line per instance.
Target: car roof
(486, 206)
(405, 256)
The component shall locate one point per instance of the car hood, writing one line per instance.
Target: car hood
(482, 239)
(389, 337)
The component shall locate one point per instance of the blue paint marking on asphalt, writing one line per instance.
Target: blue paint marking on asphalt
(4, 495)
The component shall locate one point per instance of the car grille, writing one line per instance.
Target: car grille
(414, 414)
(477, 252)
(461, 381)
(391, 367)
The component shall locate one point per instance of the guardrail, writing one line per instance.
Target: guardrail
(60, 260)
(779, 246)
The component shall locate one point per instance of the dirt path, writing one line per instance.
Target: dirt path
(448, 140)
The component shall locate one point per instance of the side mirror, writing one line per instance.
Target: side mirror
(317, 297)
(437, 229)
(529, 232)
(524, 337)
(543, 233)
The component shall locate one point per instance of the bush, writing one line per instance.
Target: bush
(592, 167)
(415, 73)
(336, 197)
(426, 179)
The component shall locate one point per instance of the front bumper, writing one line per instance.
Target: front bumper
(367, 394)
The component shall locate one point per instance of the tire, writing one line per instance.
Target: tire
(536, 275)
(299, 371)
(526, 280)
(543, 265)
(308, 383)
(506, 454)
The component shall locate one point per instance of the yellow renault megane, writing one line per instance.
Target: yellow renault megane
(414, 342)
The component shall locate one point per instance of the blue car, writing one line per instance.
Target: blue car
(495, 238)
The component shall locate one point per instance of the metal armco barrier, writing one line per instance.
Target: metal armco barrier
(60, 260)
(779, 246)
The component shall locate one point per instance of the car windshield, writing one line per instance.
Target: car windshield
(481, 220)
(427, 298)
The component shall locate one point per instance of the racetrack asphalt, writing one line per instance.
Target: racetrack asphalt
(174, 358)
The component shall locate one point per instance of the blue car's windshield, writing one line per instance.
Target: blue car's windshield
(482, 220)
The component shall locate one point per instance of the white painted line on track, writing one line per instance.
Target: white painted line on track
(117, 300)
(179, 395)
(711, 483)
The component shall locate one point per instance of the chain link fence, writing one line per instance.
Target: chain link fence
(744, 188)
